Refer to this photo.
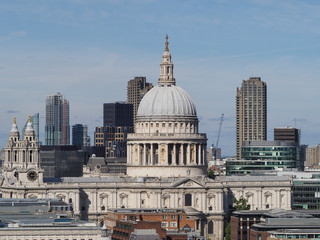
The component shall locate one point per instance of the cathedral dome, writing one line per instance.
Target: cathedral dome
(167, 100)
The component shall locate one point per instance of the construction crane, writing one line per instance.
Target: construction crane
(217, 143)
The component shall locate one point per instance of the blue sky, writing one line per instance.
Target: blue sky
(88, 50)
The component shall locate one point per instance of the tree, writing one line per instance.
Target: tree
(210, 174)
(241, 204)
(227, 231)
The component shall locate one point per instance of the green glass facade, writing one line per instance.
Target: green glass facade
(264, 155)
(248, 166)
(306, 194)
(270, 153)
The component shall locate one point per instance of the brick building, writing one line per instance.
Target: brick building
(174, 222)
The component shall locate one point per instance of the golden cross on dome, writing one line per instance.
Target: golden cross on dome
(167, 44)
(29, 117)
(14, 120)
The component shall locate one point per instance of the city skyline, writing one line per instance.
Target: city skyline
(88, 52)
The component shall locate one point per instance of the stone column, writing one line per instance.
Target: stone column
(77, 203)
(195, 154)
(139, 154)
(199, 155)
(204, 154)
(91, 206)
(220, 201)
(131, 154)
(144, 159)
(174, 154)
(181, 156)
(167, 154)
(158, 157)
(277, 202)
(152, 155)
(188, 154)
(128, 153)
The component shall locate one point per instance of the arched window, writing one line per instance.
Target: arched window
(210, 227)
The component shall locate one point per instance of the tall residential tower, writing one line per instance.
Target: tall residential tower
(57, 129)
(136, 90)
(251, 119)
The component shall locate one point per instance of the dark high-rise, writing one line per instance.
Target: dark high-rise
(117, 123)
(57, 128)
(289, 134)
(117, 114)
(80, 135)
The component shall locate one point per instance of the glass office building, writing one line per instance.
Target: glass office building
(264, 155)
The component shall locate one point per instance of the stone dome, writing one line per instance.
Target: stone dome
(166, 101)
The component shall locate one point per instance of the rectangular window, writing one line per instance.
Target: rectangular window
(188, 200)
(173, 216)
(164, 217)
(164, 224)
(173, 224)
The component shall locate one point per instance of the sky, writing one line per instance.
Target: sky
(89, 50)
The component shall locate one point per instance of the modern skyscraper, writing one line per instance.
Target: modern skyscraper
(65, 122)
(136, 90)
(80, 135)
(117, 123)
(35, 124)
(251, 105)
(57, 129)
(117, 114)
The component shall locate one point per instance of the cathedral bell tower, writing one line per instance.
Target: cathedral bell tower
(21, 157)
(166, 67)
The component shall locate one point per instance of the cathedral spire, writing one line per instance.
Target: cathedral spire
(166, 67)
(167, 44)
(29, 125)
(14, 127)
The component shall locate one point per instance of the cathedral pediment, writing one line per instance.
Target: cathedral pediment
(187, 183)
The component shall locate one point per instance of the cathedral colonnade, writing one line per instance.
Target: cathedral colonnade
(180, 154)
